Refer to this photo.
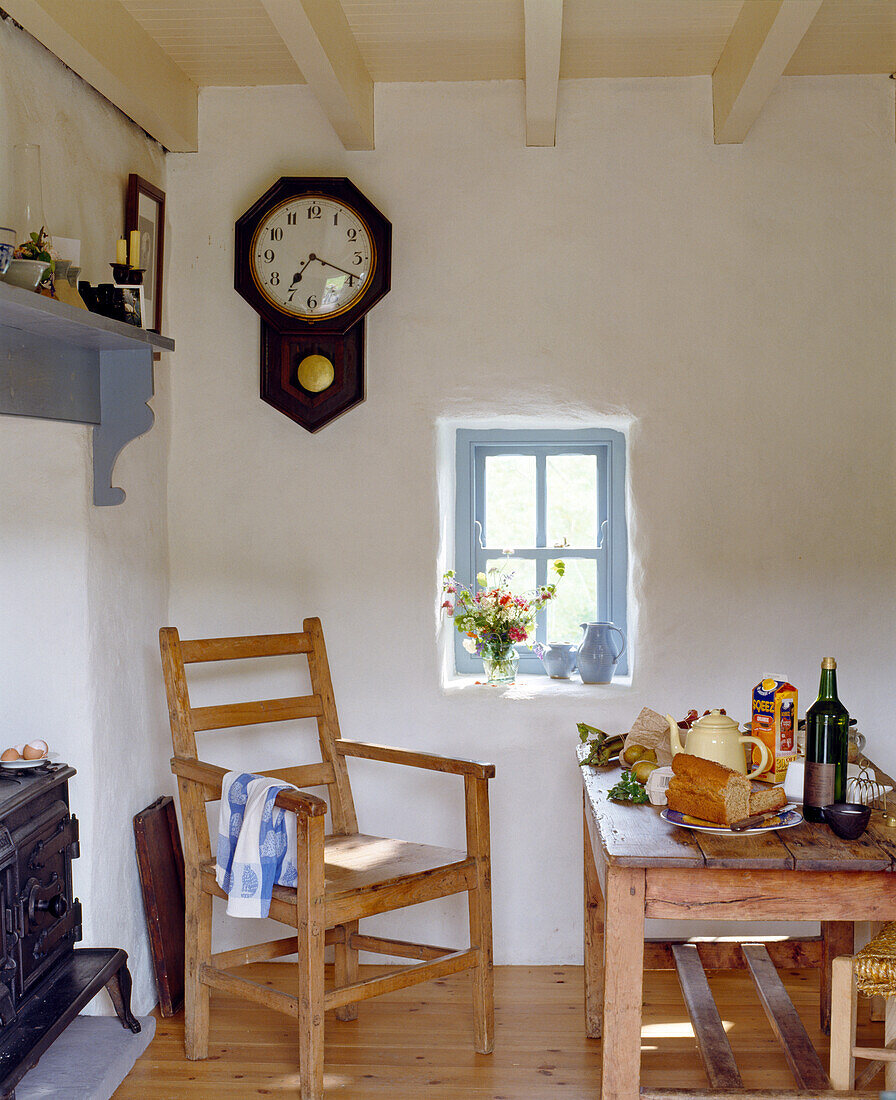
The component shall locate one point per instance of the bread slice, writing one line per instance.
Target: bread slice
(764, 798)
(707, 790)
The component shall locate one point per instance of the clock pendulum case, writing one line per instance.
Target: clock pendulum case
(312, 256)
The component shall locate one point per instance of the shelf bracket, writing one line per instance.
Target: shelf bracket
(126, 386)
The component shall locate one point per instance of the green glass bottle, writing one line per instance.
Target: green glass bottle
(827, 740)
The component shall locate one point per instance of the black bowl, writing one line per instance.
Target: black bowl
(847, 819)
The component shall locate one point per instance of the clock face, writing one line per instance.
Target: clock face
(312, 257)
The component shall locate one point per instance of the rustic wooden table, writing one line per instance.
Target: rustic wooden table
(637, 866)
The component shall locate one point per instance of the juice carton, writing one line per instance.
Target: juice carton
(774, 723)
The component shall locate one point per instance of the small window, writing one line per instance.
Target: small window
(543, 496)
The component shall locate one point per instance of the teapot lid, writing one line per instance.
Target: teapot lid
(716, 720)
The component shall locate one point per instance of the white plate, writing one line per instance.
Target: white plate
(786, 819)
(20, 765)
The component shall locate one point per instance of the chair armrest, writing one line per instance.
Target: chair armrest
(212, 777)
(427, 760)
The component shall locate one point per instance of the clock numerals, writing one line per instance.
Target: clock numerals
(326, 245)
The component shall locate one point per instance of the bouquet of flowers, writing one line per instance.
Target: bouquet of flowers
(493, 619)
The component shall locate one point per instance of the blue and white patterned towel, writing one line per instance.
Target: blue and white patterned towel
(256, 843)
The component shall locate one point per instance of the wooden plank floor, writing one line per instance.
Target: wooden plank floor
(417, 1042)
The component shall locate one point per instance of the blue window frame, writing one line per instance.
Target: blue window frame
(545, 495)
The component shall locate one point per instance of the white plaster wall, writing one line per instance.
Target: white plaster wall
(84, 589)
(734, 304)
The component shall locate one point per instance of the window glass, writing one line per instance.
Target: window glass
(575, 602)
(571, 500)
(509, 501)
(521, 572)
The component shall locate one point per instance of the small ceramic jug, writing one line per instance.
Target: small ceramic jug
(559, 660)
(596, 655)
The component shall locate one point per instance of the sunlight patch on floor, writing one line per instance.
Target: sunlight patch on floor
(673, 1029)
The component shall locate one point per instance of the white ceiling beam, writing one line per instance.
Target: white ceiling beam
(761, 44)
(108, 48)
(320, 40)
(544, 29)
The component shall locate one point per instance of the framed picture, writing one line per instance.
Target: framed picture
(129, 303)
(145, 211)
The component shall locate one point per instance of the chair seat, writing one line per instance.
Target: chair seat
(357, 862)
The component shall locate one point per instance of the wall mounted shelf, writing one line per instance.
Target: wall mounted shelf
(58, 362)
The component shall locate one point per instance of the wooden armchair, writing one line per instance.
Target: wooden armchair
(343, 876)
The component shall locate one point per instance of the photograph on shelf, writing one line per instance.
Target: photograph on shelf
(129, 303)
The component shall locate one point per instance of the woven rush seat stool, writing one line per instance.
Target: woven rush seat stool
(872, 971)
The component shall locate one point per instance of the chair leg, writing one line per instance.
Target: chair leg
(311, 929)
(480, 902)
(346, 969)
(843, 1024)
(889, 1036)
(197, 953)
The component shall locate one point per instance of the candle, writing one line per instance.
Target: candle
(135, 248)
(121, 251)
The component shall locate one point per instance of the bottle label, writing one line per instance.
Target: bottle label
(819, 784)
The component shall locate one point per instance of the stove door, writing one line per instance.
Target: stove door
(49, 920)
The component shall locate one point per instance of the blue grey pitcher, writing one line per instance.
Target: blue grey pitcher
(597, 656)
(559, 660)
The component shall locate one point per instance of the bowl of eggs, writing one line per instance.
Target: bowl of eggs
(31, 755)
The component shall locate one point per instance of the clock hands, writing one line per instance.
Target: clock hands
(326, 263)
(297, 278)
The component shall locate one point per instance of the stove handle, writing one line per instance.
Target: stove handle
(47, 899)
(56, 906)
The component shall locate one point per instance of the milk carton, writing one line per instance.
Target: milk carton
(774, 723)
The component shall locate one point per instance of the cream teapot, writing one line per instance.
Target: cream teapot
(717, 737)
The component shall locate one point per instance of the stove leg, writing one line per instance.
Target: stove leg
(7, 1008)
(119, 989)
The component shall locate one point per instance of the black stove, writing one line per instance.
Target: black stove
(44, 980)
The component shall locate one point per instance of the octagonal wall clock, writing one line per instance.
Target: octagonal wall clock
(312, 256)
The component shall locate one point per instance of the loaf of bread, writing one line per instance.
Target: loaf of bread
(707, 790)
(710, 791)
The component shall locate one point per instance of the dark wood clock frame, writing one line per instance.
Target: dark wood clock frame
(287, 339)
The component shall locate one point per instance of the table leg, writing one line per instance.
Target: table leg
(594, 942)
(837, 938)
(623, 984)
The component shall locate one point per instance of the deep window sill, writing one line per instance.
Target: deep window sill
(534, 687)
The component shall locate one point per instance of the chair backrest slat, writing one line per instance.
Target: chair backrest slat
(250, 714)
(304, 775)
(238, 649)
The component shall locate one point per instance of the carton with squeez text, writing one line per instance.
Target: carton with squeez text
(774, 723)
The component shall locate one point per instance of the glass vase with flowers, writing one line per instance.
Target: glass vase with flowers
(494, 619)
